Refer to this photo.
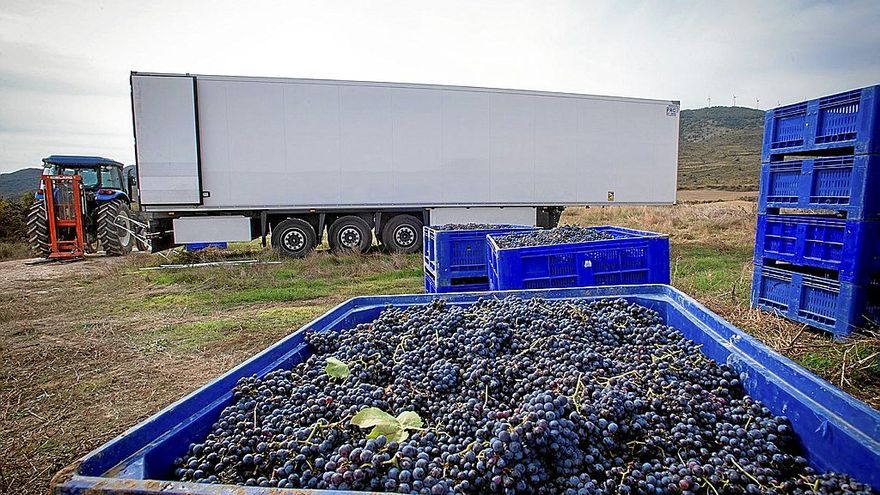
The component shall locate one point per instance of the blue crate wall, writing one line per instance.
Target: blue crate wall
(633, 257)
(844, 120)
(847, 184)
(431, 286)
(847, 248)
(456, 257)
(837, 307)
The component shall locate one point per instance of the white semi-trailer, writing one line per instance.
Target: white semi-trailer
(233, 158)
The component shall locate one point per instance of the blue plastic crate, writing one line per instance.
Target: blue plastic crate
(431, 286)
(837, 432)
(632, 257)
(198, 246)
(844, 120)
(847, 184)
(851, 248)
(458, 257)
(837, 307)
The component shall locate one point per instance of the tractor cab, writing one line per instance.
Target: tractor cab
(102, 178)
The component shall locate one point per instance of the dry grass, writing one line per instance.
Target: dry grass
(728, 223)
(12, 250)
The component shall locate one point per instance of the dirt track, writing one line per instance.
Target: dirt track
(76, 370)
(14, 274)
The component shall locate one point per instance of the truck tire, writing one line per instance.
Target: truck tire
(403, 234)
(350, 233)
(294, 237)
(38, 229)
(115, 228)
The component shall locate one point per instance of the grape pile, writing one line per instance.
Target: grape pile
(471, 226)
(507, 396)
(566, 234)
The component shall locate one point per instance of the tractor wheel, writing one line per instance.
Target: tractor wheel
(115, 228)
(38, 229)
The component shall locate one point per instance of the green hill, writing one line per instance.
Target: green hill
(720, 148)
(14, 184)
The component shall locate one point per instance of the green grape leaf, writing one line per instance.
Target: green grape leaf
(373, 416)
(399, 436)
(409, 420)
(389, 430)
(336, 368)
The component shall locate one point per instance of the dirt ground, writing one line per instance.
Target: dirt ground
(73, 372)
(89, 349)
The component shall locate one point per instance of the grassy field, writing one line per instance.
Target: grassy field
(12, 250)
(91, 348)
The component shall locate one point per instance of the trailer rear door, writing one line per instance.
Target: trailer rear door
(166, 139)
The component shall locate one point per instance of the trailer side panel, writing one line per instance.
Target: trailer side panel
(295, 143)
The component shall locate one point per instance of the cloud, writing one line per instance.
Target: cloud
(64, 65)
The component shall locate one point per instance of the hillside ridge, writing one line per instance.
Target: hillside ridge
(720, 148)
(15, 184)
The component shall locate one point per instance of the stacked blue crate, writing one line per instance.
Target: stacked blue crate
(817, 247)
(629, 257)
(455, 260)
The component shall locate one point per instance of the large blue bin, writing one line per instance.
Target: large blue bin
(431, 286)
(847, 184)
(831, 305)
(632, 257)
(458, 257)
(837, 431)
(844, 120)
(849, 248)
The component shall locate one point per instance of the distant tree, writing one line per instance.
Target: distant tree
(13, 217)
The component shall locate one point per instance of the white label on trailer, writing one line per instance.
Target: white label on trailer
(166, 140)
(189, 230)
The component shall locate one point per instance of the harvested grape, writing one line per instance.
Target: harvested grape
(471, 226)
(566, 234)
(506, 396)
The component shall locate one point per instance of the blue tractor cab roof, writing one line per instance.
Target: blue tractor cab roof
(80, 161)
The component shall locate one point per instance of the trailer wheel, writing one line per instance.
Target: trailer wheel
(294, 237)
(403, 234)
(350, 233)
(115, 228)
(38, 229)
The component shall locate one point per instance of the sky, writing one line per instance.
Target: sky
(64, 65)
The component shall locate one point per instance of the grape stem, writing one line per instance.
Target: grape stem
(747, 473)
